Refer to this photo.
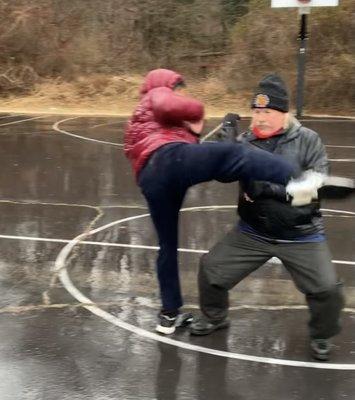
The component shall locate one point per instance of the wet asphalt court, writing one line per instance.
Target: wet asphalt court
(88, 332)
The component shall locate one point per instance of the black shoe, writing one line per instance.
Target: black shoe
(321, 349)
(167, 325)
(201, 326)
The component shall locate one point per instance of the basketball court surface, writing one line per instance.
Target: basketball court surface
(78, 292)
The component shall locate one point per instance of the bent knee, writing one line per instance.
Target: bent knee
(208, 262)
(209, 269)
(204, 260)
(332, 290)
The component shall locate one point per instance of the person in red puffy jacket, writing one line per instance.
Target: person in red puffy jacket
(161, 142)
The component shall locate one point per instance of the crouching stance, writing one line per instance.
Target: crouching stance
(275, 224)
(161, 141)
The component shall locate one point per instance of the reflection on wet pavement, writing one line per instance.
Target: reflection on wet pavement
(54, 186)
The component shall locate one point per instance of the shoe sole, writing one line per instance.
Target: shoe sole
(182, 321)
(164, 330)
(204, 332)
(320, 357)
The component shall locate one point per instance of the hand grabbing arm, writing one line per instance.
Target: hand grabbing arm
(304, 189)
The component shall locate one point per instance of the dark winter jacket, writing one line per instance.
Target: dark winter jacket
(270, 213)
(159, 117)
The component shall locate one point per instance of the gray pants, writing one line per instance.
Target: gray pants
(237, 255)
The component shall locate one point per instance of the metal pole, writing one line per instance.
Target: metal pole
(301, 65)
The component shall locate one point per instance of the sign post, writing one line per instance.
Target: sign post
(301, 62)
(304, 7)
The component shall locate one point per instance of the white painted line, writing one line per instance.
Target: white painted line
(342, 159)
(34, 239)
(137, 207)
(60, 268)
(105, 124)
(124, 245)
(103, 244)
(24, 120)
(350, 119)
(337, 216)
(56, 128)
(11, 116)
(340, 147)
(259, 307)
(338, 211)
(64, 277)
(144, 247)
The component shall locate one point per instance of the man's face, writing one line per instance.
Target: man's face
(267, 120)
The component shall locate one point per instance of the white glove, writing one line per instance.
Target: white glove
(305, 188)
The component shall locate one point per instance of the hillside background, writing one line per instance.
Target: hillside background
(92, 54)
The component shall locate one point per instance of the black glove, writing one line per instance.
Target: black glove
(264, 190)
(231, 120)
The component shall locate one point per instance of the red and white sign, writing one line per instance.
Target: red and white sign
(304, 3)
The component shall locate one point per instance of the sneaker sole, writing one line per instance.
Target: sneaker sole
(204, 332)
(181, 321)
(164, 330)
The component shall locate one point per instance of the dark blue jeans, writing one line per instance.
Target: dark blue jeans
(168, 174)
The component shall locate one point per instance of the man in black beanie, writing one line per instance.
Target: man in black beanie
(271, 93)
(276, 221)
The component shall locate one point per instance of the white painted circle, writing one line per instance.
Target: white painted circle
(60, 268)
(56, 128)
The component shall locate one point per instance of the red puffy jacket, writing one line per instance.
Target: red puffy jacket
(159, 117)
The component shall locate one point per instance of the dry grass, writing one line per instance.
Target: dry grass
(118, 95)
(83, 55)
(99, 94)
(103, 94)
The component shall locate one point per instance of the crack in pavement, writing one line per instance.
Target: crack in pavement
(33, 202)
(86, 232)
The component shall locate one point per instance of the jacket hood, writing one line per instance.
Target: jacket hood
(160, 78)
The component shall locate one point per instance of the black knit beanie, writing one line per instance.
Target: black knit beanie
(271, 93)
